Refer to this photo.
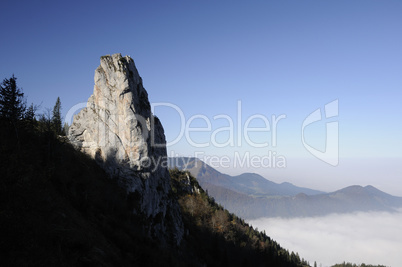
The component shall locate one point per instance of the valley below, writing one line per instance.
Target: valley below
(357, 224)
(361, 237)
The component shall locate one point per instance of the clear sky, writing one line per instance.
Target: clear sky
(276, 57)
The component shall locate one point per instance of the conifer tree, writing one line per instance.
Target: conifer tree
(56, 117)
(12, 104)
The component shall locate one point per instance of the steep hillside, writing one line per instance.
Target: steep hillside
(59, 208)
(219, 238)
(103, 196)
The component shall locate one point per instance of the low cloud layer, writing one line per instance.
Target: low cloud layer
(371, 238)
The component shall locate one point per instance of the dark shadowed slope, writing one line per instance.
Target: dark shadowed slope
(58, 207)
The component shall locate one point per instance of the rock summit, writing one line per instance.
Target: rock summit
(118, 130)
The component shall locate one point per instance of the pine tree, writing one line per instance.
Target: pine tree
(56, 118)
(30, 116)
(12, 104)
(31, 113)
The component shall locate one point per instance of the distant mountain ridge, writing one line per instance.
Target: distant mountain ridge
(247, 183)
(251, 196)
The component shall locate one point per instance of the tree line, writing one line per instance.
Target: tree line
(222, 238)
(14, 112)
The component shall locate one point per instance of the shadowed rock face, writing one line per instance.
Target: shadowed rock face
(118, 129)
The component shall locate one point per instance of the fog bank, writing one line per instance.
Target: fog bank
(371, 238)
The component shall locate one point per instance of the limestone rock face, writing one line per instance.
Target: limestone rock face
(118, 129)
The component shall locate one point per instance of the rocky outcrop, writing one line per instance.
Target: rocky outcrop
(118, 129)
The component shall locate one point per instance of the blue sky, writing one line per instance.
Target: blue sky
(276, 57)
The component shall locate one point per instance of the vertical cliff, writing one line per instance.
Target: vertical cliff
(117, 129)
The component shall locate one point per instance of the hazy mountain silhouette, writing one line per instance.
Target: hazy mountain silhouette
(247, 183)
(252, 196)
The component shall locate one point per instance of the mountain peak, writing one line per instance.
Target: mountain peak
(358, 189)
(352, 189)
(117, 129)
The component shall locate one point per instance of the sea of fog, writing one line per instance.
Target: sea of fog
(369, 237)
